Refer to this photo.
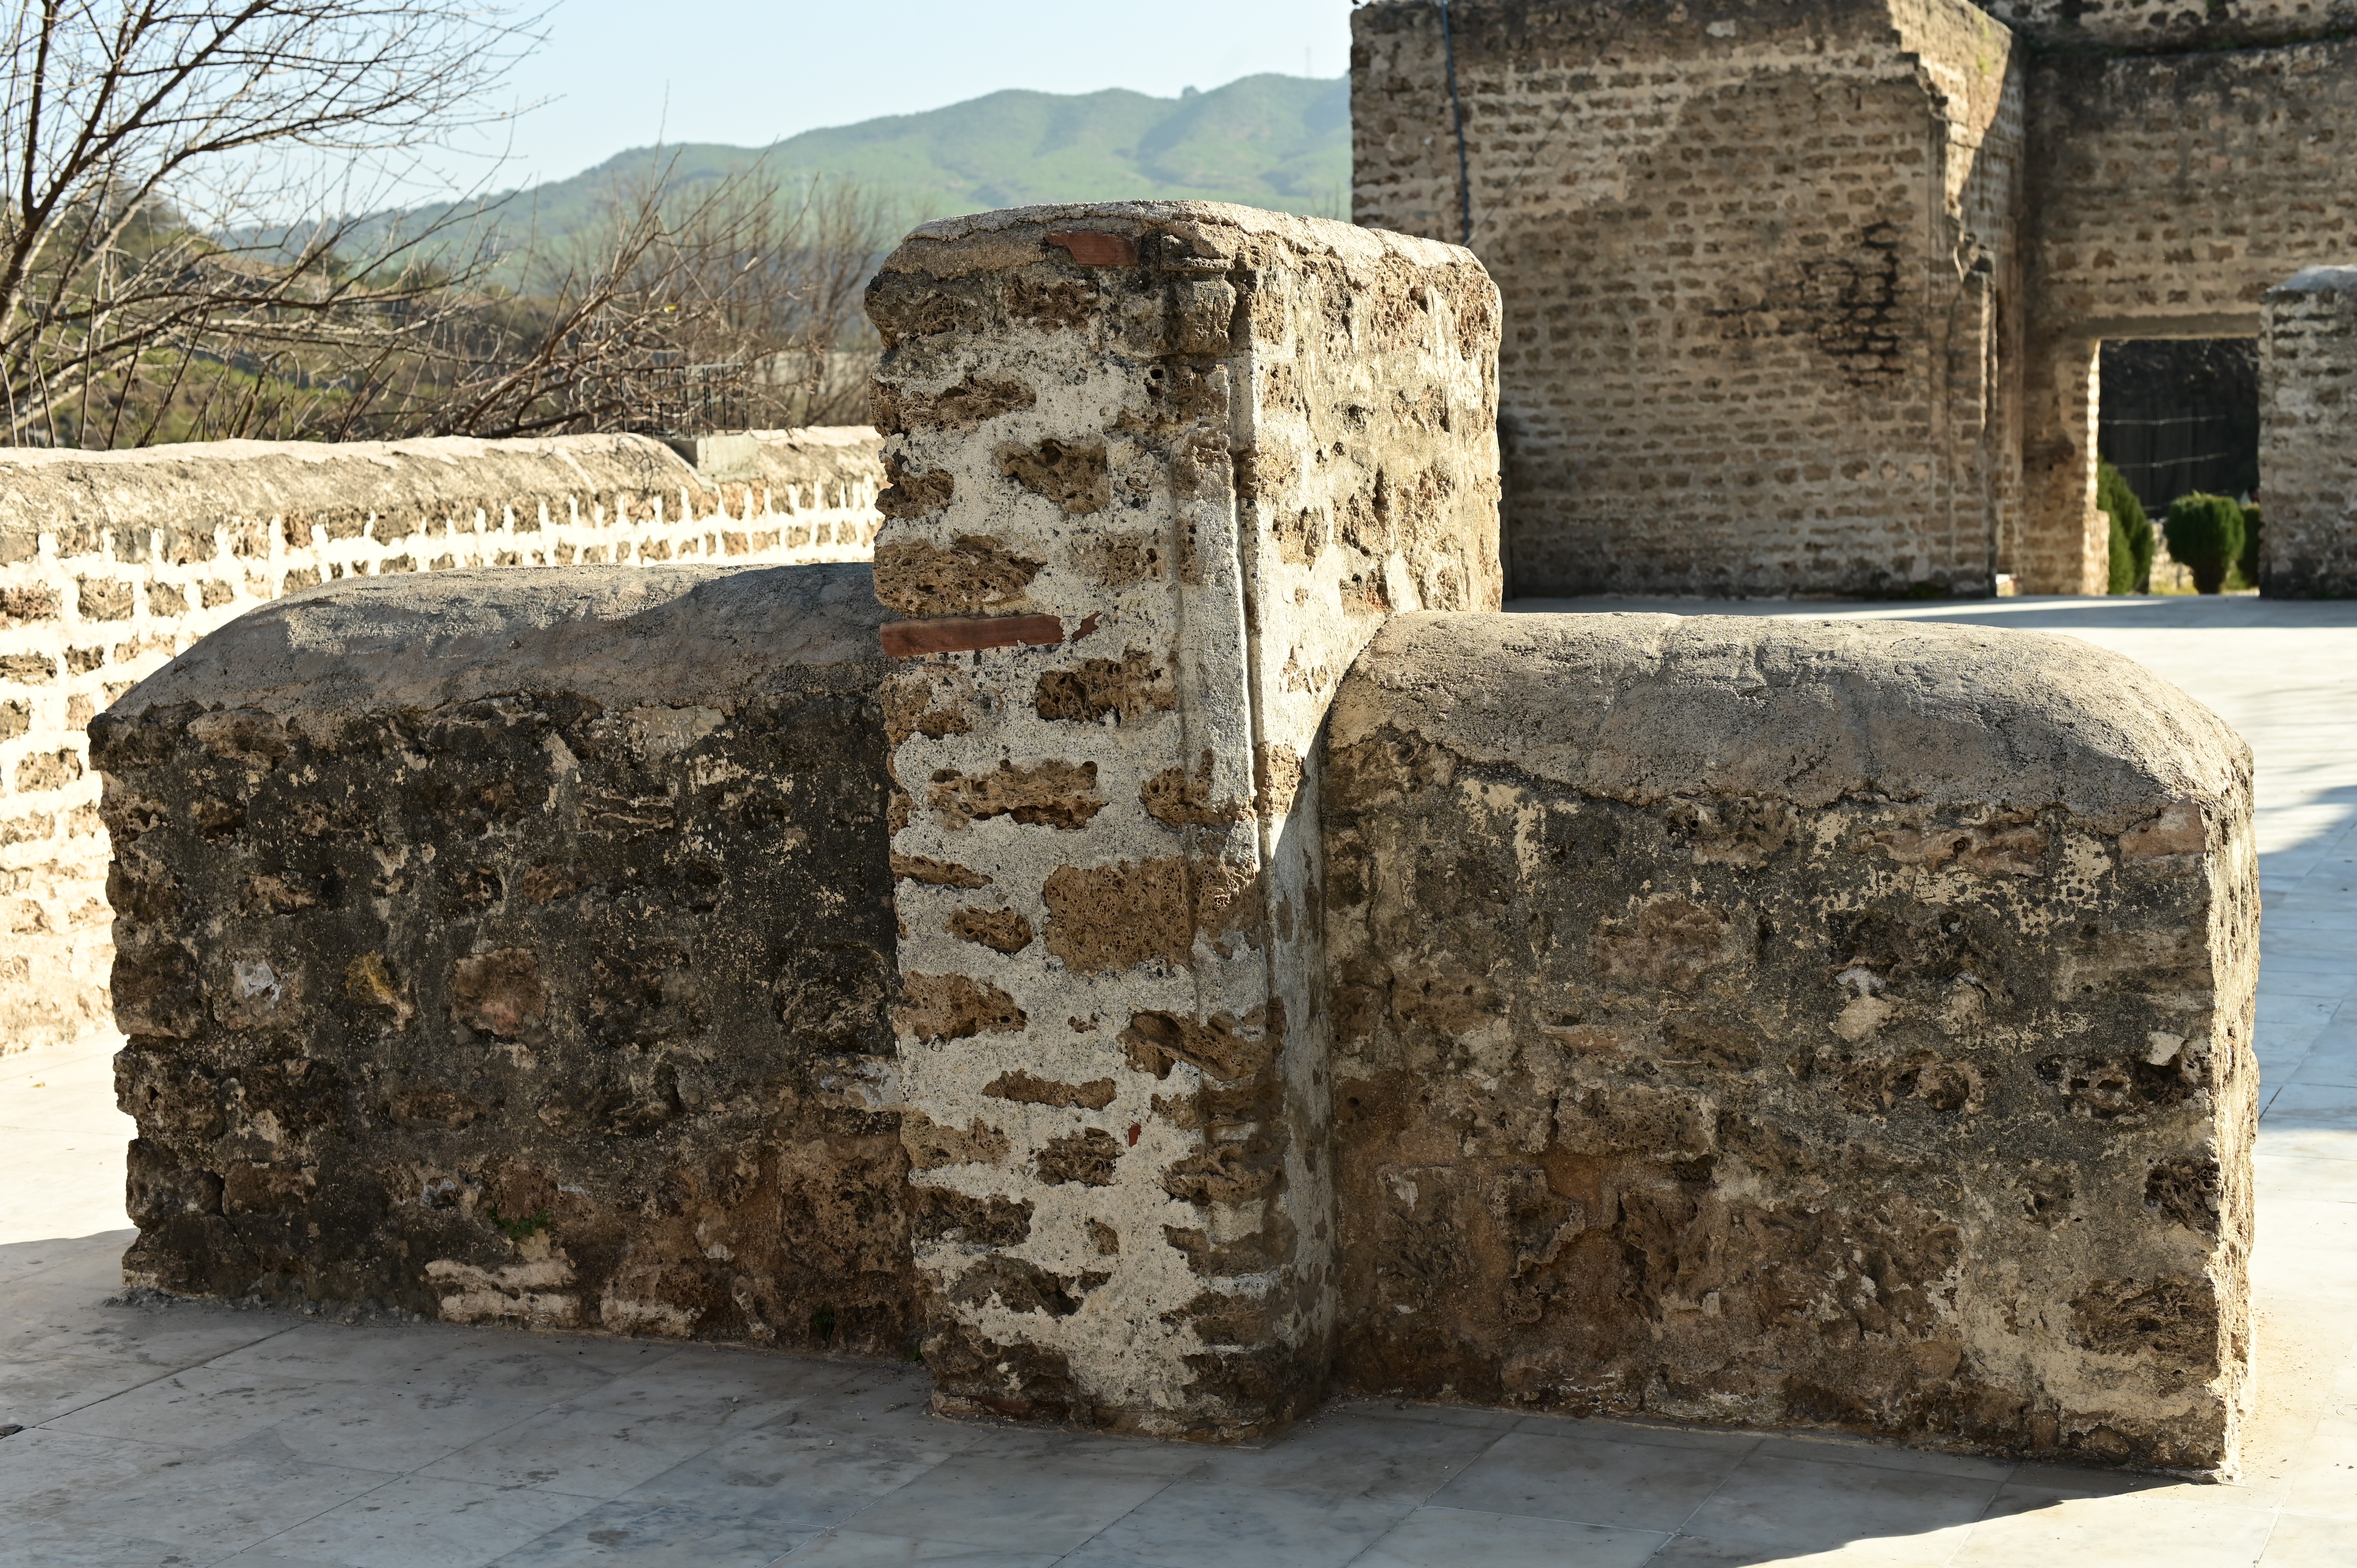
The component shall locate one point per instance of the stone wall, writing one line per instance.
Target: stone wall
(2308, 436)
(1755, 265)
(1158, 472)
(1806, 299)
(2168, 193)
(1788, 1024)
(514, 946)
(112, 562)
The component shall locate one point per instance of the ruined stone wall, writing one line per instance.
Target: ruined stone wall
(1839, 1024)
(112, 562)
(1758, 270)
(1159, 470)
(2074, 26)
(515, 946)
(2169, 191)
(2308, 436)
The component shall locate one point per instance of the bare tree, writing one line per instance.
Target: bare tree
(162, 161)
(732, 303)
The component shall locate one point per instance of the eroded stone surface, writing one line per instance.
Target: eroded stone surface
(2308, 436)
(1841, 1024)
(517, 947)
(1159, 471)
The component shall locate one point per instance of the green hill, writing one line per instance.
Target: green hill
(1279, 142)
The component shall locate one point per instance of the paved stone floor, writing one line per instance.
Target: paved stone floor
(198, 1435)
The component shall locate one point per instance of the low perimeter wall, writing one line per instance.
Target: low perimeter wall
(1297, 976)
(110, 563)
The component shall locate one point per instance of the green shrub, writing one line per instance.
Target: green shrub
(2247, 566)
(2205, 532)
(2131, 531)
(2123, 563)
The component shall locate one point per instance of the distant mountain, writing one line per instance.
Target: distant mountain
(1280, 141)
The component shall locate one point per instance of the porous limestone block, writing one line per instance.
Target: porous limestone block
(515, 946)
(1833, 1024)
(1158, 472)
(2308, 436)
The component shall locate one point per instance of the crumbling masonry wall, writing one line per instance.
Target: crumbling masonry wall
(113, 562)
(1158, 946)
(1753, 262)
(1840, 1024)
(2308, 436)
(515, 947)
(1159, 471)
(1806, 299)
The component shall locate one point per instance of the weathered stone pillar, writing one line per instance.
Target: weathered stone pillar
(2308, 436)
(1159, 471)
(2064, 543)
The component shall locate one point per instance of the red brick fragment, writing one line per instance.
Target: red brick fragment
(965, 634)
(1093, 249)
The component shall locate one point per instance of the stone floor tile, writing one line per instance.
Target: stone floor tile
(799, 1477)
(44, 1318)
(33, 1392)
(624, 1535)
(603, 1443)
(1716, 1440)
(1815, 1504)
(2299, 1541)
(1884, 1455)
(1446, 1415)
(1628, 1486)
(46, 1544)
(851, 1549)
(412, 1522)
(216, 1504)
(43, 1471)
(2128, 1530)
(88, 1261)
(200, 1408)
(2322, 1481)
(997, 1502)
(1457, 1537)
(378, 1350)
(1346, 1455)
(1188, 1523)
(2312, 1104)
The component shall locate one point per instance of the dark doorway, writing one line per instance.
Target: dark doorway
(2179, 415)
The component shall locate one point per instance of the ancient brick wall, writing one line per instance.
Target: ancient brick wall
(515, 947)
(1158, 472)
(2308, 436)
(1841, 1024)
(2075, 27)
(1756, 267)
(112, 562)
(2168, 191)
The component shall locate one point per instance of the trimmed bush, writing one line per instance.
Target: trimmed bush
(2205, 532)
(2246, 567)
(2132, 547)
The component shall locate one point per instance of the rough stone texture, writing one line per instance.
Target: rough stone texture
(1752, 261)
(1806, 299)
(517, 945)
(112, 562)
(2308, 436)
(1159, 470)
(1837, 1024)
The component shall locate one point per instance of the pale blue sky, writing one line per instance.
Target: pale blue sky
(747, 72)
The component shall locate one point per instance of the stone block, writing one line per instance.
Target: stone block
(1158, 472)
(515, 946)
(2308, 436)
(1781, 1023)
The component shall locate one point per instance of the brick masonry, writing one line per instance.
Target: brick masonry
(1158, 472)
(112, 562)
(1806, 300)
(2308, 436)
